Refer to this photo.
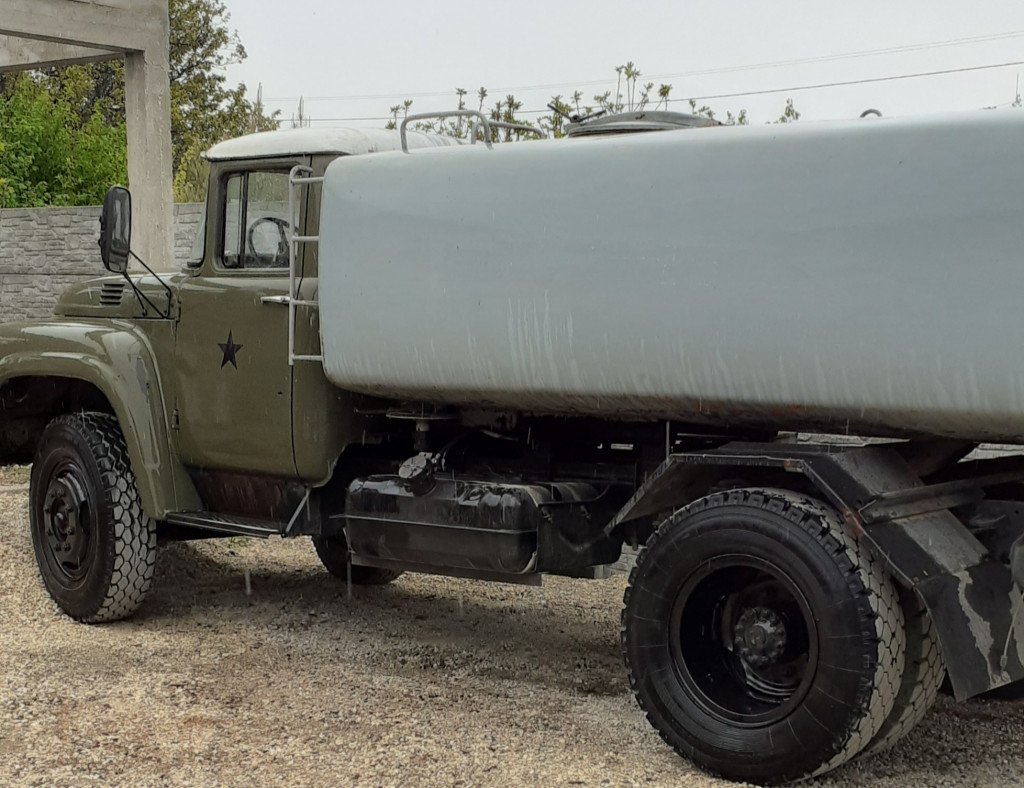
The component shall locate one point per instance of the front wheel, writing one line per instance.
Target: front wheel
(762, 642)
(94, 546)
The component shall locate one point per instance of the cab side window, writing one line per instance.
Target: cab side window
(256, 222)
(233, 222)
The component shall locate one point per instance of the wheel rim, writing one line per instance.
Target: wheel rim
(68, 525)
(743, 641)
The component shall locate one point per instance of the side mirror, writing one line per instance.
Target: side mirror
(116, 229)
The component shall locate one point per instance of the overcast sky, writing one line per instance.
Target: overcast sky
(354, 60)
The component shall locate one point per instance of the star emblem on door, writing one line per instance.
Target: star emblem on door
(229, 349)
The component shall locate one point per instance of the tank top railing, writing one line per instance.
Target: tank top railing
(479, 121)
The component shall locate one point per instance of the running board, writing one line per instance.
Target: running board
(530, 579)
(227, 524)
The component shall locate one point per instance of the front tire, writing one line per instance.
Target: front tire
(95, 548)
(762, 642)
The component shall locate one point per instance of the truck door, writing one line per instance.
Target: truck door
(235, 384)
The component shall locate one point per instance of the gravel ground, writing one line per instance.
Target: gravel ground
(427, 682)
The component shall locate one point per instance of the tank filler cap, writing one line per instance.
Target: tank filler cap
(417, 473)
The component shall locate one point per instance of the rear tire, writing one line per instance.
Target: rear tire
(94, 546)
(761, 641)
(333, 554)
(923, 673)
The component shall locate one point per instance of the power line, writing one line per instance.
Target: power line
(792, 89)
(682, 74)
(855, 81)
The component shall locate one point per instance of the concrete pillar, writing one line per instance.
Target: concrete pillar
(148, 110)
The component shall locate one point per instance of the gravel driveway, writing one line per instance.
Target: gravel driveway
(427, 682)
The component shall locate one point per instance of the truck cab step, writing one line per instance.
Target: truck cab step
(227, 524)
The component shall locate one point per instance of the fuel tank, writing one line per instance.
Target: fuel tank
(861, 276)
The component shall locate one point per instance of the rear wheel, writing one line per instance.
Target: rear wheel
(94, 546)
(333, 554)
(923, 673)
(760, 640)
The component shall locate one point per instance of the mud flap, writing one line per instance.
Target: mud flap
(979, 632)
(972, 599)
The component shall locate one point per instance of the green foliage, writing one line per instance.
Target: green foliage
(705, 111)
(49, 157)
(204, 108)
(554, 124)
(504, 110)
(87, 114)
(190, 178)
(789, 114)
(630, 95)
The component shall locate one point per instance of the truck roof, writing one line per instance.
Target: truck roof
(270, 144)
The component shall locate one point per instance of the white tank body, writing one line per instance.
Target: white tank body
(864, 275)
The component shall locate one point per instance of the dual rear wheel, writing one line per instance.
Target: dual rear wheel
(765, 644)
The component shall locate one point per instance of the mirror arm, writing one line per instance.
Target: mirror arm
(142, 297)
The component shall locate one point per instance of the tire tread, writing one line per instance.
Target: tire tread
(865, 575)
(134, 533)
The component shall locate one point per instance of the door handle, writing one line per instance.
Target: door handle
(281, 299)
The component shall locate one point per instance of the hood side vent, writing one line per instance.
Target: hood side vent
(111, 293)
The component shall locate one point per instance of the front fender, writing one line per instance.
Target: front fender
(118, 359)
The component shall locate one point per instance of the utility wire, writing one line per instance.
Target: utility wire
(854, 81)
(792, 89)
(682, 74)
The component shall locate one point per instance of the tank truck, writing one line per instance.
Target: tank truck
(509, 361)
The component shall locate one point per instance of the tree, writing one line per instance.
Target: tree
(49, 157)
(705, 111)
(789, 114)
(663, 94)
(504, 110)
(205, 109)
(630, 96)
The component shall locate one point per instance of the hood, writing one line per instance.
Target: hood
(112, 296)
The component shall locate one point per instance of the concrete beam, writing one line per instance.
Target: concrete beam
(18, 54)
(120, 25)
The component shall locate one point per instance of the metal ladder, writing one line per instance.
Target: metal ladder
(299, 176)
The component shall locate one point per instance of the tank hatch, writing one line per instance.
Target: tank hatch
(631, 122)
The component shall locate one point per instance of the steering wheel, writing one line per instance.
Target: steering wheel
(280, 257)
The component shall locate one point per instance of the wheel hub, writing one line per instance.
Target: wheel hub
(759, 636)
(65, 514)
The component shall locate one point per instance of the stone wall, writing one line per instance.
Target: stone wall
(43, 250)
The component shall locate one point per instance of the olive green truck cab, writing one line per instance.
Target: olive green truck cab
(793, 605)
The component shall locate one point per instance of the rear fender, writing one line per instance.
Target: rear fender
(117, 359)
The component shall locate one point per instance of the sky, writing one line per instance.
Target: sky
(352, 61)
